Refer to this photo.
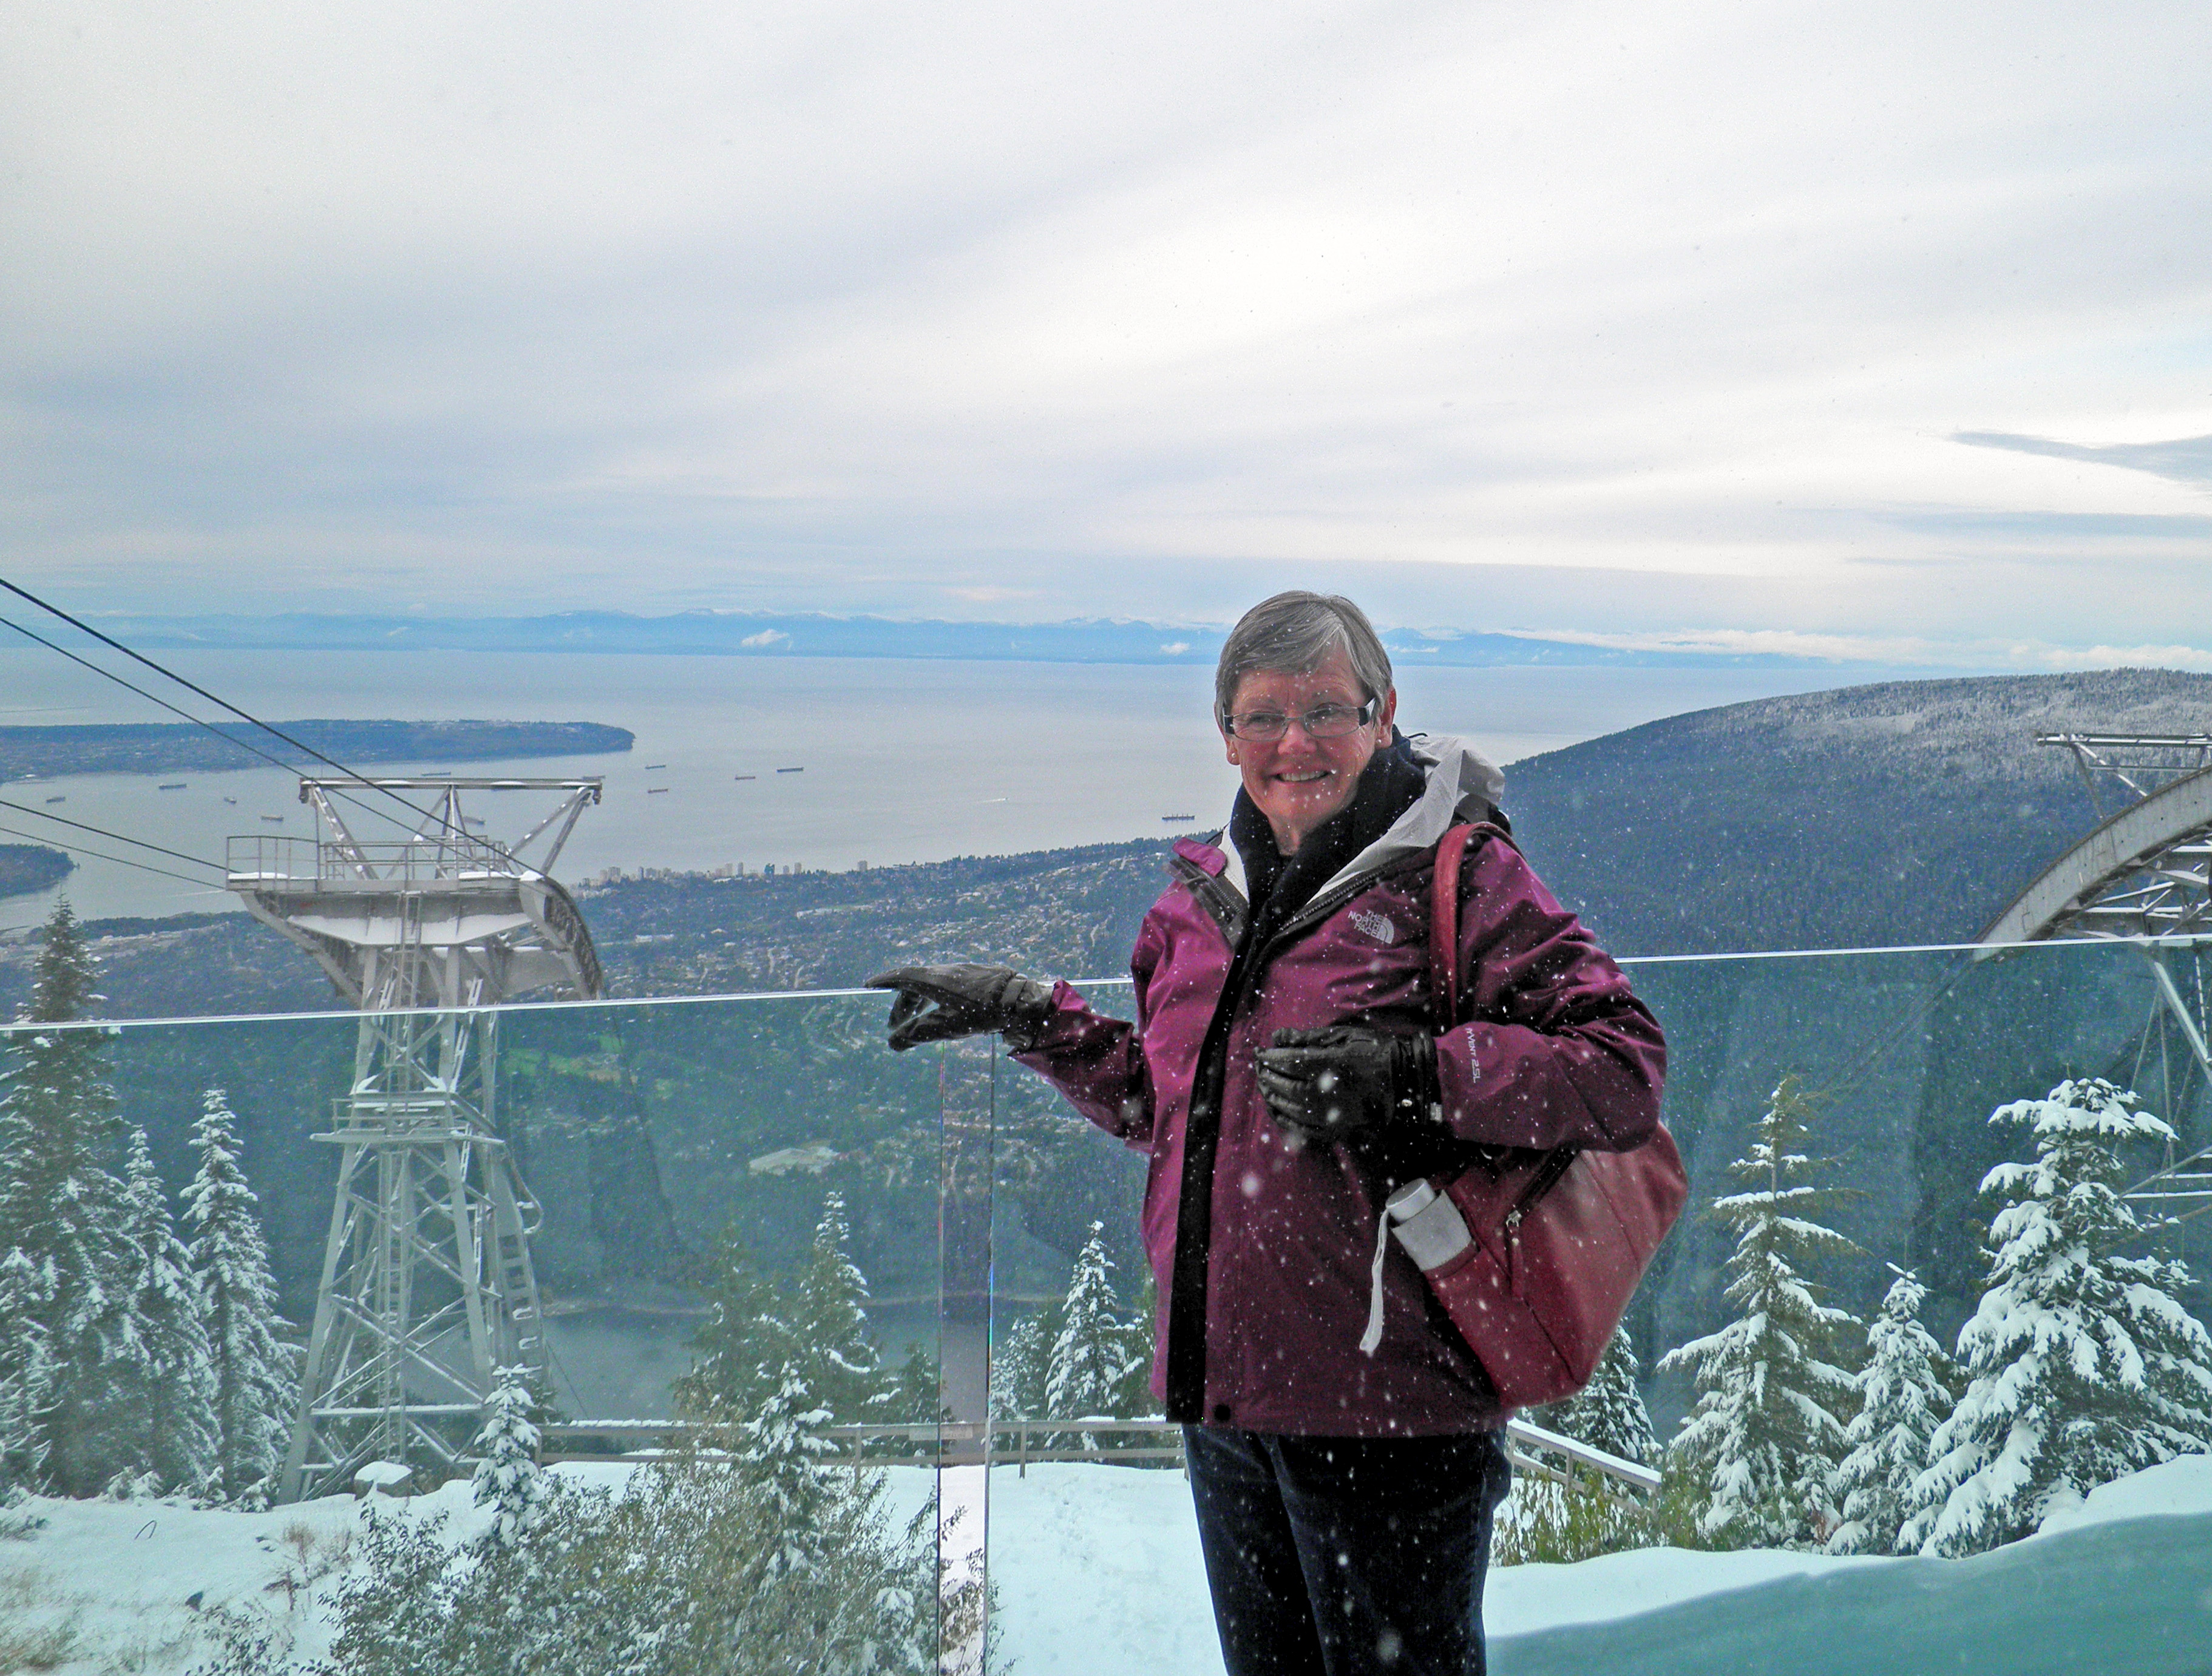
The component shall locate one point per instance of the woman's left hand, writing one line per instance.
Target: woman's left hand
(1346, 1081)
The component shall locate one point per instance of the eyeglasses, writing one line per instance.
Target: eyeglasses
(1323, 721)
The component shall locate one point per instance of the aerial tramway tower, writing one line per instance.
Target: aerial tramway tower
(426, 1284)
(2143, 875)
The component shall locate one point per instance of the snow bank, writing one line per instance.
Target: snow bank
(2182, 1486)
(1097, 1570)
(1523, 1599)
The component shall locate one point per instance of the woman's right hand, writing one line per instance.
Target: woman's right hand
(942, 1003)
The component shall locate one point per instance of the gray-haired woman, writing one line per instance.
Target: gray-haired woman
(1284, 1074)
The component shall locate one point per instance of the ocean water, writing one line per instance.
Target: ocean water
(903, 761)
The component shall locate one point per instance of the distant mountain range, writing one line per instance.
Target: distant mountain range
(764, 634)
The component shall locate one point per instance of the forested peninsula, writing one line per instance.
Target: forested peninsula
(175, 747)
(26, 868)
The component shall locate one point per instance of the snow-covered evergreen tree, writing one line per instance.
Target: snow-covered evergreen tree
(255, 1374)
(26, 1386)
(1905, 1392)
(1089, 1354)
(59, 1110)
(844, 1370)
(780, 1447)
(170, 1373)
(1767, 1429)
(1017, 1365)
(62, 1205)
(741, 1342)
(1134, 1397)
(915, 1395)
(2082, 1363)
(507, 1479)
(1609, 1412)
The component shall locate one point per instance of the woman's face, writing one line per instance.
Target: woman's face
(1298, 782)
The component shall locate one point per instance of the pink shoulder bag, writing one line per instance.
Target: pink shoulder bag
(1534, 1255)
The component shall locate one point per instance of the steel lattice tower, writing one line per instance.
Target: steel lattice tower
(427, 1285)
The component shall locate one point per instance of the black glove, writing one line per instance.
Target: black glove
(1345, 1083)
(939, 1003)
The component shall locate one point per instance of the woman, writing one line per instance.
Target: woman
(1283, 1076)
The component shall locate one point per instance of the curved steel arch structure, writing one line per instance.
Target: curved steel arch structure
(2144, 872)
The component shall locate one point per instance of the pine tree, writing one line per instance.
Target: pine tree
(508, 1478)
(1905, 1394)
(62, 1205)
(172, 1370)
(742, 1343)
(25, 1387)
(1017, 1364)
(1609, 1413)
(1090, 1355)
(844, 1370)
(1766, 1433)
(779, 1448)
(2081, 1364)
(255, 1379)
(1133, 1397)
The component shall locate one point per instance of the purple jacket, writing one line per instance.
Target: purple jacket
(1555, 1052)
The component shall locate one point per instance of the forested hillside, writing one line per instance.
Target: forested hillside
(1910, 811)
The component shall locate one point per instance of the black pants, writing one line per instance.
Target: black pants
(1343, 1556)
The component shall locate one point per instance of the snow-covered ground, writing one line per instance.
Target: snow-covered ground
(1098, 1574)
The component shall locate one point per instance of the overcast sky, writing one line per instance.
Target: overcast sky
(1878, 328)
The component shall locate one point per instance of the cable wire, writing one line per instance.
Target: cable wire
(119, 860)
(245, 745)
(110, 675)
(84, 627)
(102, 832)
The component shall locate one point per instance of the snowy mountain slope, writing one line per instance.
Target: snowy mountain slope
(1902, 812)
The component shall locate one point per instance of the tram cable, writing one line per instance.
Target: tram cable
(422, 815)
(119, 861)
(117, 837)
(245, 745)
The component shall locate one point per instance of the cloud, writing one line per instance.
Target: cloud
(1893, 652)
(1757, 315)
(2185, 460)
(766, 638)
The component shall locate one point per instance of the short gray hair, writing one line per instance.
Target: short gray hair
(1295, 632)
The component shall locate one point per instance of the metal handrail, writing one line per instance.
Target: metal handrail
(1527, 1443)
(270, 859)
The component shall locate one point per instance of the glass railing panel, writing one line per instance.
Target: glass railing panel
(679, 1262)
(1900, 1059)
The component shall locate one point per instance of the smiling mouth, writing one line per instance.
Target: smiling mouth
(1306, 778)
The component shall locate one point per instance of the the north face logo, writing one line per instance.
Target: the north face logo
(1376, 926)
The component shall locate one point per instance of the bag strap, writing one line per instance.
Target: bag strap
(1443, 925)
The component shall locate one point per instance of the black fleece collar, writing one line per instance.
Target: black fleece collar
(1391, 783)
